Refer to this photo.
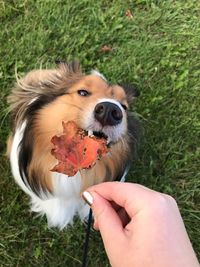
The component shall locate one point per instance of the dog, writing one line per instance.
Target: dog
(39, 103)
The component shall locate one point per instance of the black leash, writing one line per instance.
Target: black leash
(85, 248)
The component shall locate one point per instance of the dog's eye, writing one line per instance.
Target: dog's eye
(83, 92)
(124, 106)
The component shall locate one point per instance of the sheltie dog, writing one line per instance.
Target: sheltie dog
(39, 103)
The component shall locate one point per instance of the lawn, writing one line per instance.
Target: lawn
(154, 44)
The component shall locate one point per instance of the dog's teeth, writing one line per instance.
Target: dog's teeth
(90, 133)
(108, 140)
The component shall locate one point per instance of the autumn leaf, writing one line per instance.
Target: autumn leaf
(75, 150)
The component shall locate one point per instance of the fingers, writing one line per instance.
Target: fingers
(114, 204)
(132, 197)
(108, 220)
(122, 214)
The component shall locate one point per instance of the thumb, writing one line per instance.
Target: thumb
(108, 220)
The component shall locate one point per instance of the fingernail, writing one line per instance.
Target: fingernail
(87, 197)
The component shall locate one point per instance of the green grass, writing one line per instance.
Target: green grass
(158, 49)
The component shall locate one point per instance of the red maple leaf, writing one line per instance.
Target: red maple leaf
(75, 150)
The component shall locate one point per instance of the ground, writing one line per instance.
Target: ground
(154, 44)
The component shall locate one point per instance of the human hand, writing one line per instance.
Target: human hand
(140, 227)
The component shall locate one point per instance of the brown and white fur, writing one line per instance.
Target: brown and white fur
(39, 103)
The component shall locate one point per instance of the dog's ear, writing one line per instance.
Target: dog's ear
(131, 90)
(40, 85)
(69, 68)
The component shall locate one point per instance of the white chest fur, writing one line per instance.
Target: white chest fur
(63, 203)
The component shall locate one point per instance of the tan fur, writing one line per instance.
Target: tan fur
(9, 145)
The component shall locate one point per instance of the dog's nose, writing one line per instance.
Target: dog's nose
(108, 113)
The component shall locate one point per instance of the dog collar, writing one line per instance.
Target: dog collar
(123, 178)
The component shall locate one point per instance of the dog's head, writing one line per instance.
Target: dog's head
(45, 98)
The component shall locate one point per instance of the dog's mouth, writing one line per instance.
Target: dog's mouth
(100, 135)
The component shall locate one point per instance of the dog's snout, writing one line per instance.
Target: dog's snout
(108, 113)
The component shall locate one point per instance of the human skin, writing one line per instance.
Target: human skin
(140, 227)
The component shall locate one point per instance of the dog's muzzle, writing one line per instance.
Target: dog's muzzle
(107, 113)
